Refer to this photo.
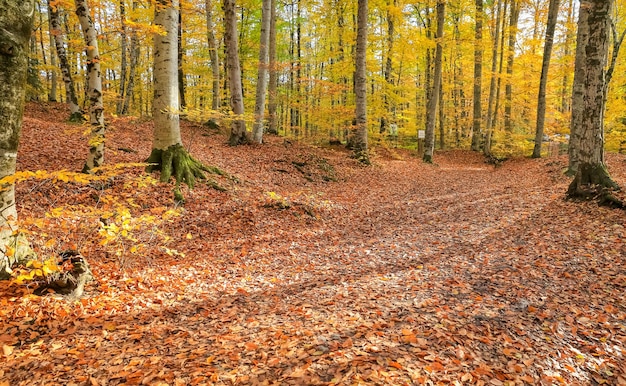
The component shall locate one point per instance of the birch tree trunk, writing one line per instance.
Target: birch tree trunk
(261, 87)
(360, 85)
(76, 114)
(592, 174)
(168, 154)
(238, 133)
(429, 142)
(53, 62)
(215, 64)
(16, 21)
(95, 158)
(553, 12)
(478, 77)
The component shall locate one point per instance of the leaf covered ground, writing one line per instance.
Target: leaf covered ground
(310, 269)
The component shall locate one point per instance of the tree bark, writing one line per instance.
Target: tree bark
(52, 97)
(16, 21)
(508, 90)
(76, 113)
(553, 12)
(238, 133)
(359, 141)
(123, 54)
(478, 77)
(135, 52)
(182, 84)
(95, 158)
(273, 81)
(215, 64)
(592, 173)
(429, 142)
(261, 87)
(492, 85)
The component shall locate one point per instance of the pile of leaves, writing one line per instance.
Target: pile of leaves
(399, 273)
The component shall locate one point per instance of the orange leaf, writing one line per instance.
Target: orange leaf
(251, 346)
(396, 365)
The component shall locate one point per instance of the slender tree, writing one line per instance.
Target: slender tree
(261, 87)
(16, 22)
(508, 89)
(272, 105)
(238, 133)
(359, 134)
(135, 52)
(76, 114)
(215, 64)
(592, 176)
(478, 77)
(123, 54)
(553, 12)
(95, 158)
(494, 75)
(429, 145)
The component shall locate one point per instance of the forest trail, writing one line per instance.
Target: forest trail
(400, 273)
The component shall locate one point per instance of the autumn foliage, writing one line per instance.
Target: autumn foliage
(312, 269)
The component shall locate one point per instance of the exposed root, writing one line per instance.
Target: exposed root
(593, 182)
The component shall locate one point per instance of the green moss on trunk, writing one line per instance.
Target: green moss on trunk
(592, 181)
(177, 162)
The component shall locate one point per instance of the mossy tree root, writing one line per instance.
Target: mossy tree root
(594, 182)
(177, 162)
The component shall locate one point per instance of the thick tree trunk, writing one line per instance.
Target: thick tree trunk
(272, 105)
(261, 87)
(238, 133)
(478, 77)
(359, 141)
(95, 158)
(553, 12)
(16, 21)
(215, 64)
(76, 113)
(592, 174)
(429, 143)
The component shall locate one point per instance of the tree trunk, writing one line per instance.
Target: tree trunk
(261, 87)
(94, 89)
(429, 142)
(76, 113)
(52, 96)
(478, 77)
(273, 81)
(359, 141)
(492, 85)
(182, 83)
(553, 12)
(123, 64)
(508, 91)
(135, 52)
(16, 22)
(592, 173)
(238, 133)
(215, 64)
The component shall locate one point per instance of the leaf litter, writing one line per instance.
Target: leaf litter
(400, 273)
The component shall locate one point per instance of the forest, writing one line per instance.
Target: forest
(312, 192)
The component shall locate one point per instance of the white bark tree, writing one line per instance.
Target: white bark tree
(95, 158)
(168, 154)
(16, 21)
(261, 86)
(359, 135)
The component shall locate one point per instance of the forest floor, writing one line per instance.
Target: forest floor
(310, 269)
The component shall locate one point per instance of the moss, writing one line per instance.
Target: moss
(592, 181)
(177, 162)
(77, 118)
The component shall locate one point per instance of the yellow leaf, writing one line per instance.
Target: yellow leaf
(189, 236)
(7, 350)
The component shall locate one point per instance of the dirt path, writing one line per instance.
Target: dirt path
(402, 273)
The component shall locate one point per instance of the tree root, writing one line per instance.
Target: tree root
(70, 283)
(593, 182)
(177, 162)
(21, 253)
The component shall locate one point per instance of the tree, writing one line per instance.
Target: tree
(592, 177)
(553, 12)
(478, 76)
(272, 103)
(95, 158)
(491, 113)
(16, 21)
(429, 145)
(168, 154)
(508, 89)
(76, 113)
(215, 64)
(135, 51)
(238, 133)
(359, 134)
(261, 88)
